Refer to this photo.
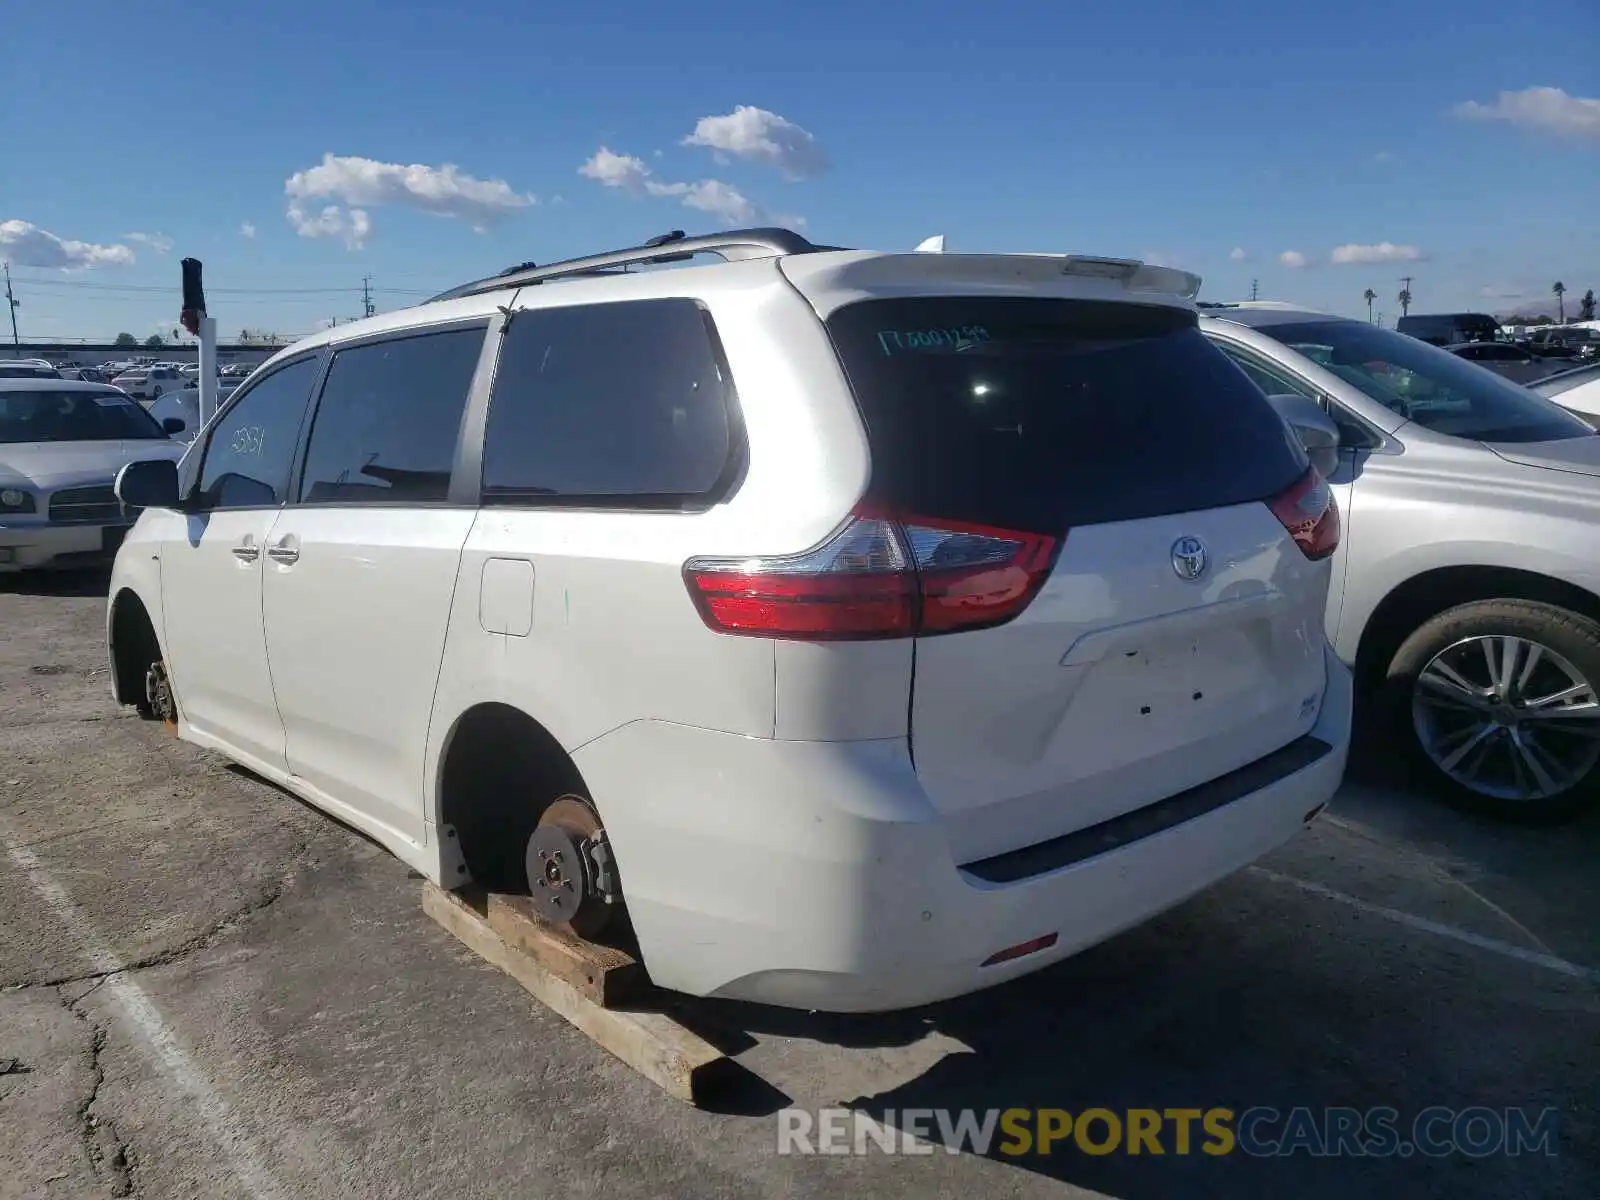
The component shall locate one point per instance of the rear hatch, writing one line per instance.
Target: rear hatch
(1176, 630)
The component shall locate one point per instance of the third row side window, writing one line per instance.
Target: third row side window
(606, 403)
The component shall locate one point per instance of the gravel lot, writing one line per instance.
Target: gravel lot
(208, 990)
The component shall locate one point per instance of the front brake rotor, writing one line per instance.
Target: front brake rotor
(571, 875)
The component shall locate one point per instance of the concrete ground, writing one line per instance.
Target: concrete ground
(208, 989)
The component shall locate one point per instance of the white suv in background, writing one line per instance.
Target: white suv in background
(868, 628)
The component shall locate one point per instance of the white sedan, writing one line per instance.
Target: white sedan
(61, 445)
(1577, 391)
(149, 383)
(179, 412)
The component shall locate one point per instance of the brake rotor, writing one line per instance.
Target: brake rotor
(158, 694)
(571, 877)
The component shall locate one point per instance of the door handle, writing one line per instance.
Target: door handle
(285, 552)
(247, 551)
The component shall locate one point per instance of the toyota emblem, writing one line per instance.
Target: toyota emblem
(1189, 557)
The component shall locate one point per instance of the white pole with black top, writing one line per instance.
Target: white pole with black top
(195, 320)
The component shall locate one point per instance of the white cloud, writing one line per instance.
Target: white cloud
(247, 229)
(1353, 253)
(1293, 259)
(1502, 291)
(1383, 156)
(632, 174)
(761, 136)
(26, 245)
(332, 222)
(159, 242)
(446, 191)
(715, 197)
(1237, 254)
(1544, 108)
(616, 170)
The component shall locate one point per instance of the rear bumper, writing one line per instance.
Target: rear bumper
(815, 875)
(27, 547)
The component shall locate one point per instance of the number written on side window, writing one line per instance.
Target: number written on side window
(624, 404)
(247, 458)
(250, 441)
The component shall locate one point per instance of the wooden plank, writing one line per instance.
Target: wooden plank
(608, 976)
(679, 1062)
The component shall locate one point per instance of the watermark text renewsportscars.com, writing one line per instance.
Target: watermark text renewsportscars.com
(1258, 1132)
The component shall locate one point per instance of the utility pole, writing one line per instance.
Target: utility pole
(13, 304)
(366, 296)
(1255, 288)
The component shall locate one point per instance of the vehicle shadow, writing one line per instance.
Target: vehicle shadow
(1252, 995)
(80, 581)
(1546, 878)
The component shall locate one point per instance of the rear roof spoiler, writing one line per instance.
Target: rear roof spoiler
(1134, 275)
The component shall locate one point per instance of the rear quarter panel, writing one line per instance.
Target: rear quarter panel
(612, 634)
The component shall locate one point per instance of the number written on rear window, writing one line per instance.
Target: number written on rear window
(898, 341)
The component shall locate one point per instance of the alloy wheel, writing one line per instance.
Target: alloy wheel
(1507, 717)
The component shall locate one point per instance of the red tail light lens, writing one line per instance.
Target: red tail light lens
(877, 578)
(1310, 514)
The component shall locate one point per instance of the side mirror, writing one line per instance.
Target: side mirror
(148, 484)
(171, 425)
(1316, 430)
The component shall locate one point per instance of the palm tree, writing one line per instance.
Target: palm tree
(1369, 296)
(1405, 301)
(1559, 290)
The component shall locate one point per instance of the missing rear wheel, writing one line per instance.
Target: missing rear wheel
(572, 876)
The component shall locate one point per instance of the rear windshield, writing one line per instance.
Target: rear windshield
(1039, 415)
(67, 416)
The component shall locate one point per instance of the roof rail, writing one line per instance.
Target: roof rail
(734, 244)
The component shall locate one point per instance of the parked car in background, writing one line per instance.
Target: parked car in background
(27, 368)
(179, 411)
(1548, 343)
(1567, 341)
(1511, 361)
(61, 445)
(148, 383)
(1576, 390)
(785, 516)
(1466, 589)
(1449, 329)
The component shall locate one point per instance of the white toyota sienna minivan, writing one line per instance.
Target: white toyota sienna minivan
(852, 629)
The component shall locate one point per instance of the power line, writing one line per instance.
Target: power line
(145, 288)
(138, 289)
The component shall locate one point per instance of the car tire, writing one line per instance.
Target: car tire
(1491, 739)
(156, 395)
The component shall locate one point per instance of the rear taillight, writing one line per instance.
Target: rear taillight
(1310, 514)
(878, 577)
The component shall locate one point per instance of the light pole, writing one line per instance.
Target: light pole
(13, 304)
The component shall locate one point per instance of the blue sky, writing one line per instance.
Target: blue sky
(309, 145)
